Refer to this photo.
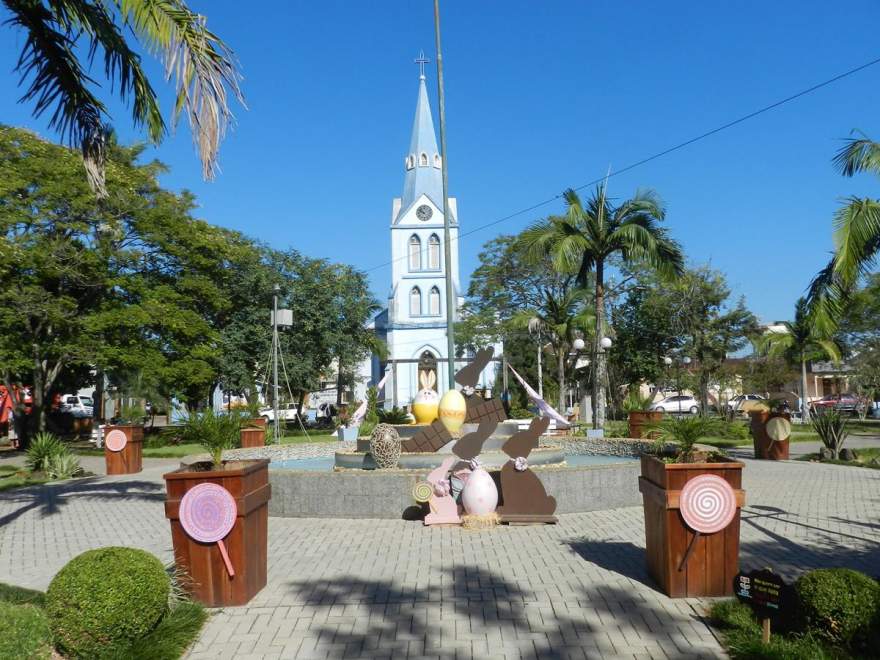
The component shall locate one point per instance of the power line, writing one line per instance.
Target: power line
(660, 154)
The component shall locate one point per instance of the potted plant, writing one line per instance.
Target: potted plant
(686, 563)
(247, 482)
(636, 405)
(346, 430)
(254, 418)
(124, 441)
(768, 442)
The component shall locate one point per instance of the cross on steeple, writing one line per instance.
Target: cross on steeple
(421, 60)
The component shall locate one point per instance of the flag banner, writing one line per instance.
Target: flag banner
(358, 416)
(543, 406)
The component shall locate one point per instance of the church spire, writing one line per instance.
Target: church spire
(423, 175)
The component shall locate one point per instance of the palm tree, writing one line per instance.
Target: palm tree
(803, 339)
(203, 67)
(560, 319)
(585, 238)
(856, 236)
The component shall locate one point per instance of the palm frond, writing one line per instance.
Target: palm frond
(57, 80)
(856, 235)
(858, 155)
(203, 67)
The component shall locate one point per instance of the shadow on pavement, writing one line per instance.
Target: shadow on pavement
(50, 498)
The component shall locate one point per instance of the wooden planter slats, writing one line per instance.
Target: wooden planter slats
(714, 561)
(130, 459)
(765, 447)
(246, 543)
(253, 437)
(639, 419)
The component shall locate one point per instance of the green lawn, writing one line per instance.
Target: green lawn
(19, 480)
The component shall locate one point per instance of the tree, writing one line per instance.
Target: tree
(508, 293)
(856, 237)
(203, 68)
(587, 236)
(802, 340)
(710, 327)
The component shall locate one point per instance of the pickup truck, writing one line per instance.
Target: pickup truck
(286, 413)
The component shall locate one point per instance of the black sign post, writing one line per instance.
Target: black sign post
(764, 591)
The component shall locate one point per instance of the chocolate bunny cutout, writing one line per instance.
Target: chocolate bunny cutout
(470, 446)
(525, 499)
(469, 376)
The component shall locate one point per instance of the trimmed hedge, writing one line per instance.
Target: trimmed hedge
(103, 600)
(838, 604)
(25, 632)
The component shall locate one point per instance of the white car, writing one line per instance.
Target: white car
(286, 412)
(677, 404)
(744, 402)
(77, 405)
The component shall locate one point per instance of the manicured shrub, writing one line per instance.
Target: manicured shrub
(104, 600)
(25, 632)
(838, 604)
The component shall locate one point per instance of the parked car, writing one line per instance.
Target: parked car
(744, 403)
(77, 405)
(286, 413)
(678, 403)
(845, 403)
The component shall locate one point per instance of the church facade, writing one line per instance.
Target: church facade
(413, 326)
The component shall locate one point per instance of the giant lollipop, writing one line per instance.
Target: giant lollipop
(116, 440)
(708, 505)
(207, 514)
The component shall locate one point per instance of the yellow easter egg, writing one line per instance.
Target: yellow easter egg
(452, 411)
(425, 412)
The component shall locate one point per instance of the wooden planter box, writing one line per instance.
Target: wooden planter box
(248, 483)
(130, 459)
(765, 447)
(257, 421)
(253, 437)
(639, 419)
(714, 560)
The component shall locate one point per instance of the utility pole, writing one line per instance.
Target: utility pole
(540, 371)
(447, 247)
(275, 425)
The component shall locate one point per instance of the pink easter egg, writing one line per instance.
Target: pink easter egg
(480, 495)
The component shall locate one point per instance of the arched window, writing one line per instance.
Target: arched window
(410, 162)
(423, 159)
(434, 301)
(415, 253)
(437, 161)
(434, 252)
(415, 302)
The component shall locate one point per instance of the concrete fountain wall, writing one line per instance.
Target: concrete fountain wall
(388, 493)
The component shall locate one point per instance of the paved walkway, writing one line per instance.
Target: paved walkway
(372, 589)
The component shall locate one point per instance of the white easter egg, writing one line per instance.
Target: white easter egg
(480, 496)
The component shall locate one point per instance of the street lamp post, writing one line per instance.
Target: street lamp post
(600, 373)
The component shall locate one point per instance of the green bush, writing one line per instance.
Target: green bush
(839, 604)
(64, 466)
(42, 449)
(394, 416)
(104, 600)
(26, 632)
(520, 413)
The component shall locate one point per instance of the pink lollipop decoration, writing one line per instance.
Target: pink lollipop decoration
(707, 503)
(116, 440)
(207, 514)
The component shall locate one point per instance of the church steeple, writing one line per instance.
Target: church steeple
(422, 162)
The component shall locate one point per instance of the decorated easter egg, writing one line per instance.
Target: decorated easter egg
(425, 406)
(480, 496)
(452, 411)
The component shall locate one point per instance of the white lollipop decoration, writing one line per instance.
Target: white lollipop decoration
(708, 505)
(778, 429)
(207, 514)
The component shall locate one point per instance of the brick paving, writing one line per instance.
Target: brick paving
(392, 589)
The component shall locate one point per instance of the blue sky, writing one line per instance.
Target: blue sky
(540, 96)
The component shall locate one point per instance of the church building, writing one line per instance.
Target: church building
(413, 326)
